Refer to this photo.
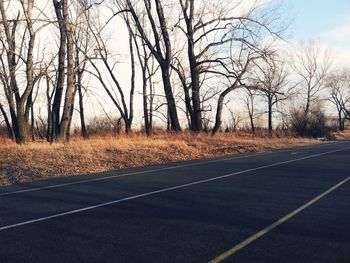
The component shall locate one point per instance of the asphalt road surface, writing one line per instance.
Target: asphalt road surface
(281, 206)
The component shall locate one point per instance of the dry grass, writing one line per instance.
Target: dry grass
(342, 135)
(97, 154)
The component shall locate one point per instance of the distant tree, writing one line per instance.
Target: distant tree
(234, 120)
(115, 91)
(250, 96)
(311, 64)
(338, 85)
(271, 78)
(240, 67)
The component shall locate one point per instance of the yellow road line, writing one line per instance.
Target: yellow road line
(266, 230)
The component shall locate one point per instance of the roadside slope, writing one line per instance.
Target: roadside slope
(98, 154)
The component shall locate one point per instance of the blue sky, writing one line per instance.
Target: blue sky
(313, 18)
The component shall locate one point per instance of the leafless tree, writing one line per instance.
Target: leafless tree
(235, 119)
(236, 74)
(346, 98)
(250, 96)
(148, 69)
(82, 45)
(60, 79)
(69, 95)
(116, 92)
(159, 44)
(19, 44)
(312, 65)
(209, 27)
(338, 84)
(272, 82)
(65, 75)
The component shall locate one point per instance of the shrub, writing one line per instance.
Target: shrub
(312, 124)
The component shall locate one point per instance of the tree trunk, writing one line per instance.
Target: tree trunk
(79, 85)
(145, 101)
(197, 111)
(341, 121)
(128, 126)
(32, 119)
(49, 109)
(270, 115)
(197, 124)
(220, 105)
(84, 131)
(218, 117)
(7, 122)
(174, 120)
(56, 106)
(69, 97)
(252, 123)
(15, 127)
(23, 136)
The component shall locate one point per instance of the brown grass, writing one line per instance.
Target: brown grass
(103, 153)
(342, 135)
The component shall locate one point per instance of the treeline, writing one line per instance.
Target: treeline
(183, 57)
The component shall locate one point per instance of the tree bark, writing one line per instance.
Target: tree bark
(56, 106)
(84, 131)
(341, 123)
(197, 124)
(7, 122)
(172, 111)
(270, 115)
(218, 117)
(69, 97)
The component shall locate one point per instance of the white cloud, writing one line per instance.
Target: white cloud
(338, 40)
(339, 35)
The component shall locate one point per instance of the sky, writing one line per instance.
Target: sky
(315, 17)
(327, 21)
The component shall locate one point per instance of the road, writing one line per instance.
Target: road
(285, 206)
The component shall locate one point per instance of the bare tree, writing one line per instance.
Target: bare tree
(346, 98)
(148, 69)
(161, 47)
(116, 92)
(60, 79)
(70, 69)
(209, 27)
(82, 45)
(271, 78)
(312, 65)
(235, 119)
(69, 95)
(338, 84)
(19, 45)
(240, 66)
(250, 97)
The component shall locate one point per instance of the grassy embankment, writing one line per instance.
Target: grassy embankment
(103, 153)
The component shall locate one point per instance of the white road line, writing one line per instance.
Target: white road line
(137, 173)
(268, 229)
(163, 190)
